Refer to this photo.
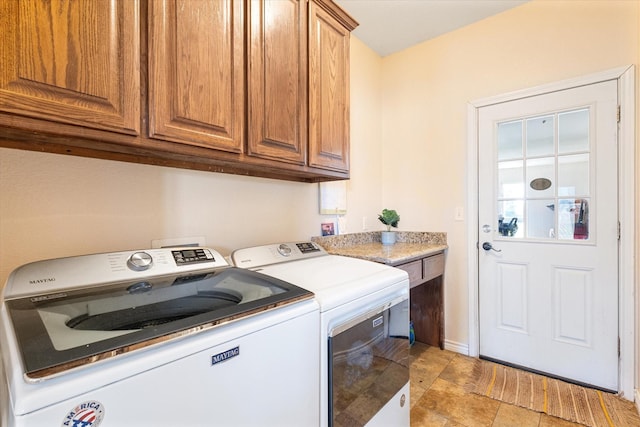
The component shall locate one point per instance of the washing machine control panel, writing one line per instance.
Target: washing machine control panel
(273, 254)
(192, 256)
(54, 275)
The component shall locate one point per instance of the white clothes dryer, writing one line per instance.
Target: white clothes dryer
(364, 329)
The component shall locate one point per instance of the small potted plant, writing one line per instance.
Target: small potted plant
(390, 218)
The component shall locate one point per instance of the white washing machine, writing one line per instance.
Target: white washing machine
(164, 337)
(364, 330)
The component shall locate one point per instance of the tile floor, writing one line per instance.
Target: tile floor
(438, 397)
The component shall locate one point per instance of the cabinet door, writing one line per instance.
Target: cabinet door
(64, 61)
(328, 91)
(196, 72)
(278, 80)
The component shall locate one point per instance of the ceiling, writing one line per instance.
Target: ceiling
(389, 26)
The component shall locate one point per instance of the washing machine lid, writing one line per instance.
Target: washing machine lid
(75, 326)
(334, 279)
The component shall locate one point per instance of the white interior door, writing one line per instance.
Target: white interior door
(548, 218)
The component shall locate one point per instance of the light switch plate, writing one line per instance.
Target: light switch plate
(459, 214)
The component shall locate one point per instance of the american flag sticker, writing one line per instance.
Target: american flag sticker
(86, 414)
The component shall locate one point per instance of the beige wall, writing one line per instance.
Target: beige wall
(364, 189)
(425, 94)
(54, 206)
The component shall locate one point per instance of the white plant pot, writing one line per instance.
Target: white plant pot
(388, 237)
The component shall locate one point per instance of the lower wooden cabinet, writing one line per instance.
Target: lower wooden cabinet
(427, 298)
(427, 312)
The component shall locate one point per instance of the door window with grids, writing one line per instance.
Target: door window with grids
(544, 173)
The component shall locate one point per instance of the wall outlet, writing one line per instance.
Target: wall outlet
(342, 225)
(459, 214)
(178, 241)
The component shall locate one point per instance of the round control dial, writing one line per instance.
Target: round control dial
(140, 261)
(284, 250)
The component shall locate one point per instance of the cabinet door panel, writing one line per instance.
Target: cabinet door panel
(433, 267)
(277, 80)
(196, 83)
(414, 269)
(328, 91)
(64, 60)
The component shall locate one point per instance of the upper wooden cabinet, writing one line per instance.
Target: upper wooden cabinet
(277, 80)
(298, 83)
(196, 72)
(328, 88)
(72, 62)
(256, 87)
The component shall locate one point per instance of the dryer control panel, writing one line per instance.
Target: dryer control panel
(259, 256)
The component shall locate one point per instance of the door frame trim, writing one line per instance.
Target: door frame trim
(628, 247)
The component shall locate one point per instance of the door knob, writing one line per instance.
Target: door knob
(489, 247)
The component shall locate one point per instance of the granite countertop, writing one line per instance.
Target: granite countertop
(409, 246)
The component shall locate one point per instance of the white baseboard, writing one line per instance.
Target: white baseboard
(637, 399)
(458, 347)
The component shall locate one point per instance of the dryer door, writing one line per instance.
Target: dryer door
(368, 363)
